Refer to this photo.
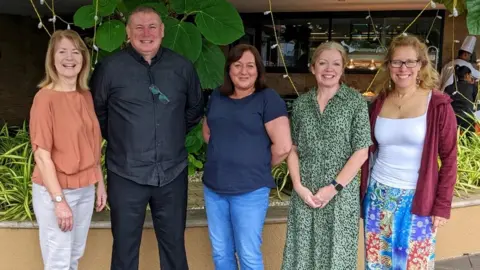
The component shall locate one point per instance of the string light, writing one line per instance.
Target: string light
(286, 75)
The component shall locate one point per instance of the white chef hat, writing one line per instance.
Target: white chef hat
(469, 44)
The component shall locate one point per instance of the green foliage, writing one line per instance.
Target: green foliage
(84, 17)
(15, 175)
(468, 173)
(473, 17)
(461, 5)
(111, 35)
(196, 149)
(216, 22)
(211, 56)
(281, 175)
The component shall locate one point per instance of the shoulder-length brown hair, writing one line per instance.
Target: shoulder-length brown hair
(428, 75)
(234, 55)
(51, 75)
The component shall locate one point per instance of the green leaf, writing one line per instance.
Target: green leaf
(220, 23)
(210, 66)
(105, 7)
(461, 6)
(183, 38)
(130, 5)
(84, 17)
(198, 164)
(193, 144)
(159, 7)
(473, 17)
(191, 6)
(111, 35)
(191, 169)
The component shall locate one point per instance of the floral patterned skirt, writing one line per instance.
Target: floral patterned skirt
(394, 237)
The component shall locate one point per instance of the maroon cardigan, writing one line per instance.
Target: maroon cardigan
(434, 192)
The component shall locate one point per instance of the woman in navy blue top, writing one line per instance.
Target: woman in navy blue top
(247, 131)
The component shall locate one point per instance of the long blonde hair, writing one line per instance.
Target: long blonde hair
(428, 76)
(51, 75)
(330, 45)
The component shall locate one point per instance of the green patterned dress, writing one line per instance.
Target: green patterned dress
(327, 238)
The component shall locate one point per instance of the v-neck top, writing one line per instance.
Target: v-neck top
(65, 124)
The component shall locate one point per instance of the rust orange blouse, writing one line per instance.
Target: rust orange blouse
(65, 124)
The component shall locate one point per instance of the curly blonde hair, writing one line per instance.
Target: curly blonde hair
(428, 75)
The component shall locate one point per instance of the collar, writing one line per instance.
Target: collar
(137, 56)
(341, 92)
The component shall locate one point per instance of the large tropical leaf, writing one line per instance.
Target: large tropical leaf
(111, 35)
(84, 17)
(183, 37)
(210, 65)
(220, 23)
(105, 7)
(473, 17)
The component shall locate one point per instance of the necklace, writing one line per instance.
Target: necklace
(399, 106)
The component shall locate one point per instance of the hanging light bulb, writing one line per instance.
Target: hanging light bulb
(372, 65)
(351, 64)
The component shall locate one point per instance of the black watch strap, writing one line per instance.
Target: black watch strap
(338, 187)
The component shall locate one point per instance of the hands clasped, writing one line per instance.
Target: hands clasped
(320, 199)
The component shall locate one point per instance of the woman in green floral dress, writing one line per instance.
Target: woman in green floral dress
(331, 135)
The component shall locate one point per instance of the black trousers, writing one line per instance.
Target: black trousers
(128, 202)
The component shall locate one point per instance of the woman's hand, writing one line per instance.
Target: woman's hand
(64, 216)
(101, 196)
(325, 194)
(307, 196)
(438, 222)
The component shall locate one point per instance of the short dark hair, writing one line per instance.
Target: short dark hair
(234, 55)
(143, 9)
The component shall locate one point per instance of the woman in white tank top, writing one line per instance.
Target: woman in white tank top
(399, 231)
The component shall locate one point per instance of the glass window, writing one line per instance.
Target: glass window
(298, 38)
(366, 43)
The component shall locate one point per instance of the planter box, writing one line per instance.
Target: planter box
(20, 240)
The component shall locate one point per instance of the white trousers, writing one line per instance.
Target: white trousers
(62, 250)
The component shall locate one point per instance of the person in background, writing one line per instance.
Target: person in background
(464, 94)
(147, 98)
(66, 141)
(463, 59)
(331, 136)
(405, 195)
(247, 131)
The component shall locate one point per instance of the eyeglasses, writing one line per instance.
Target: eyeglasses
(155, 91)
(408, 63)
(161, 96)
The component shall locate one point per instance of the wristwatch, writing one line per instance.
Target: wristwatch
(57, 198)
(338, 187)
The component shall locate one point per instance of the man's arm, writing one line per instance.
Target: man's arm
(99, 86)
(194, 108)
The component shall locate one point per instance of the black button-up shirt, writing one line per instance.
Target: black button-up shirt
(145, 136)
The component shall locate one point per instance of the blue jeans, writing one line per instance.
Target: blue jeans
(235, 224)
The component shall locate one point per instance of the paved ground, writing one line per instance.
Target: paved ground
(471, 262)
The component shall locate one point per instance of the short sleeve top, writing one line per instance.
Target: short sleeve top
(65, 124)
(239, 150)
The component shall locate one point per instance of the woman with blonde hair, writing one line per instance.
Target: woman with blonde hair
(66, 141)
(405, 195)
(331, 136)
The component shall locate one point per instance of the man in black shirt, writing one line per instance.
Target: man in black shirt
(147, 98)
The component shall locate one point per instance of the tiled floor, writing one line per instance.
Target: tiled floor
(471, 262)
(196, 202)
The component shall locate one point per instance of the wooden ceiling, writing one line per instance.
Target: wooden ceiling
(23, 7)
